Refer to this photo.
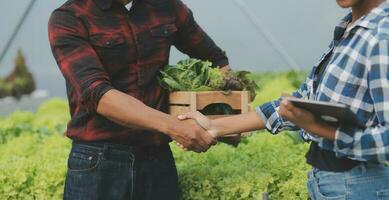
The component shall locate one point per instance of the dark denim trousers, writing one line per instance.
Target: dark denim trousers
(110, 172)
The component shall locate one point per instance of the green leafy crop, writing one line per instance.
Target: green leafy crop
(33, 153)
(197, 75)
(191, 75)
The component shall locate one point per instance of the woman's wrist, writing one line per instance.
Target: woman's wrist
(215, 129)
(322, 129)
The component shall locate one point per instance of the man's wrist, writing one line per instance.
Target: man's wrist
(166, 126)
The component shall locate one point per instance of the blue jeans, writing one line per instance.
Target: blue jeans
(363, 182)
(107, 171)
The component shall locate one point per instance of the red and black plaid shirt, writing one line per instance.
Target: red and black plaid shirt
(99, 45)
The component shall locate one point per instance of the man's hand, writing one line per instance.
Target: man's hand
(202, 120)
(189, 135)
(225, 69)
(208, 124)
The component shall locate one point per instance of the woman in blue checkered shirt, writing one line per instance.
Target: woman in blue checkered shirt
(348, 162)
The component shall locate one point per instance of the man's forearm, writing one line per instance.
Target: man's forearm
(128, 111)
(237, 124)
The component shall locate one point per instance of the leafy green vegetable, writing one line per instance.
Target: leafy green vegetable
(191, 75)
(238, 81)
(197, 75)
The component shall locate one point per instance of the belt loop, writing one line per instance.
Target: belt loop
(131, 149)
(310, 173)
(104, 153)
(363, 168)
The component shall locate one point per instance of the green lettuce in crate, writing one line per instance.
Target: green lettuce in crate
(197, 75)
(191, 75)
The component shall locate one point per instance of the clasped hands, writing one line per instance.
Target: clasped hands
(199, 135)
(208, 132)
(204, 131)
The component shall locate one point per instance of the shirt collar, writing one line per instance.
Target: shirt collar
(341, 27)
(369, 21)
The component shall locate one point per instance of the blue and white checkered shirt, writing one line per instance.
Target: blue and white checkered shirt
(357, 75)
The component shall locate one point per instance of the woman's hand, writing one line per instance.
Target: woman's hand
(305, 120)
(202, 120)
(299, 117)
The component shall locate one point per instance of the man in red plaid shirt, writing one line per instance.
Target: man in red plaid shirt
(110, 53)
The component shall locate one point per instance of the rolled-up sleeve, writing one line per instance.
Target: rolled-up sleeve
(191, 39)
(268, 112)
(78, 62)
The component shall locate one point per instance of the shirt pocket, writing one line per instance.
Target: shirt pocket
(112, 50)
(83, 161)
(109, 40)
(157, 43)
(155, 52)
(383, 194)
(163, 31)
(350, 88)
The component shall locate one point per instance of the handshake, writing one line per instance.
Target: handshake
(194, 132)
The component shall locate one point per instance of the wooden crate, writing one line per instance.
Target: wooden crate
(184, 102)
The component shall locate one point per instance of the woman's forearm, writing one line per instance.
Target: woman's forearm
(237, 124)
(323, 130)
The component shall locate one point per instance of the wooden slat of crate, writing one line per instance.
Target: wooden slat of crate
(245, 99)
(233, 99)
(178, 110)
(183, 102)
(180, 98)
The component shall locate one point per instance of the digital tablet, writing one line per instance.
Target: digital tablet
(333, 113)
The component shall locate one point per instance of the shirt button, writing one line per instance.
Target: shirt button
(90, 158)
(108, 43)
(166, 32)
